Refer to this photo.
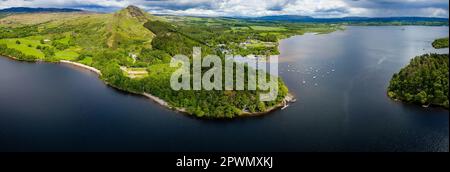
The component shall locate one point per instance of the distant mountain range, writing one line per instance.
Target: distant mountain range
(37, 10)
(285, 18)
(295, 18)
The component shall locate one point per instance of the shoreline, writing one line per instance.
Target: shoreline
(147, 95)
(92, 69)
(419, 105)
(288, 98)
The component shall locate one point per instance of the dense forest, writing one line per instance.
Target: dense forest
(424, 81)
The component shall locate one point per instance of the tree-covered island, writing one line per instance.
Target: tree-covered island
(440, 43)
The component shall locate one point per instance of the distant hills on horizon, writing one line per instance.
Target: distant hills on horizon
(297, 18)
(37, 10)
(286, 18)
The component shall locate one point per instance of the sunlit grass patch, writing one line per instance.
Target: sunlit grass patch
(26, 46)
(240, 28)
(66, 55)
(268, 28)
(65, 40)
(134, 73)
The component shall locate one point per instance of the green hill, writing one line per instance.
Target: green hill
(126, 28)
(123, 29)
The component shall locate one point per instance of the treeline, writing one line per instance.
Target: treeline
(149, 56)
(59, 45)
(170, 40)
(424, 81)
(18, 32)
(177, 39)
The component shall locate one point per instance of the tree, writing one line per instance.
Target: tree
(421, 97)
(261, 106)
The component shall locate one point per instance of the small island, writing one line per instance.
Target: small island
(424, 81)
(440, 43)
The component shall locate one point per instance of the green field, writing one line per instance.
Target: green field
(26, 46)
(268, 28)
(29, 46)
(65, 40)
(240, 28)
(135, 73)
(66, 55)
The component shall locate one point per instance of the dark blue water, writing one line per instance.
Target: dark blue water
(49, 107)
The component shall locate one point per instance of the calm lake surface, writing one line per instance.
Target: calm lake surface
(339, 79)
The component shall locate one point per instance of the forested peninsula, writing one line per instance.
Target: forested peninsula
(132, 50)
(440, 43)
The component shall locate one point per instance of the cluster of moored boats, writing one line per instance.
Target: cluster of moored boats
(315, 72)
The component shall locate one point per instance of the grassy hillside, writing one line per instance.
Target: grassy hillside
(25, 19)
(79, 31)
(126, 29)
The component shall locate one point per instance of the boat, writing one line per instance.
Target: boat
(426, 106)
(284, 107)
(285, 102)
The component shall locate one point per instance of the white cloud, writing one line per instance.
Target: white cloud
(316, 8)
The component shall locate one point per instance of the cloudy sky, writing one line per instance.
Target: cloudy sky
(315, 8)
